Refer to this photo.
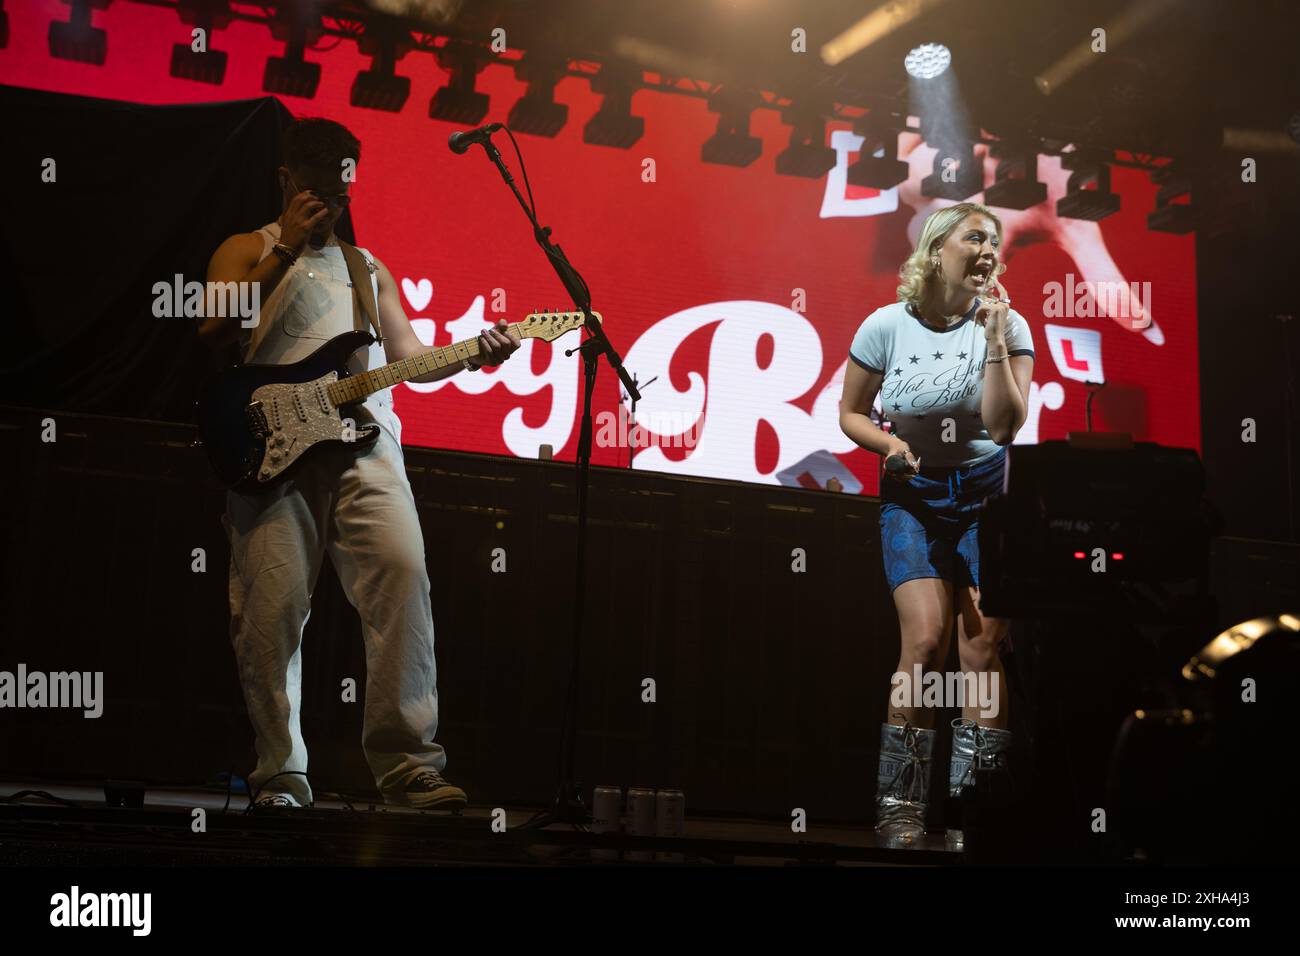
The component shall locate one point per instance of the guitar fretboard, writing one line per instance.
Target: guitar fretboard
(356, 387)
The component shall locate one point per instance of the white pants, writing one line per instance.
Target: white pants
(357, 506)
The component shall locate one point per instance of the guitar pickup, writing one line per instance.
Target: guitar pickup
(257, 418)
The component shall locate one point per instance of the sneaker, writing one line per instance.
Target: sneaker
(276, 801)
(428, 790)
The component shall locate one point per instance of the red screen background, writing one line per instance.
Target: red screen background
(735, 245)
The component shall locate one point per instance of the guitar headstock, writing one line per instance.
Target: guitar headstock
(551, 325)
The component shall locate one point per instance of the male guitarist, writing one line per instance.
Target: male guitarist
(352, 501)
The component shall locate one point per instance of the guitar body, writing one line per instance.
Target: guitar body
(258, 421)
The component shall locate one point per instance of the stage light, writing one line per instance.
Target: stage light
(1177, 218)
(1206, 663)
(614, 125)
(290, 75)
(807, 155)
(876, 25)
(956, 174)
(208, 65)
(927, 61)
(1238, 139)
(1081, 203)
(430, 11)
(731, 144)
(77, 39)
(536, 111)
(879, 135)
(380, 88)
(458, 101)
(1169, 216)
(1015, 182)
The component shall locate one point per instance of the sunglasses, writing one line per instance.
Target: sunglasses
(337, 201)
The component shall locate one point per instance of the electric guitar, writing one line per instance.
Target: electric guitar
(258, 421)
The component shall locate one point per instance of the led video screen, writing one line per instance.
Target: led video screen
(732, 292)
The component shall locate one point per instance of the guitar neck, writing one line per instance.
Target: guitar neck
(356, 387)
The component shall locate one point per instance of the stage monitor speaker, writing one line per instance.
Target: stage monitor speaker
(1096, 531)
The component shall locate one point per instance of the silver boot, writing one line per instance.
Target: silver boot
(903, 784)
(969, 742)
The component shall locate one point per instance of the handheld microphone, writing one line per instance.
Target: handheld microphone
(459, 142)
(896, 465)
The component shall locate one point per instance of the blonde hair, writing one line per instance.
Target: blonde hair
(916, 270)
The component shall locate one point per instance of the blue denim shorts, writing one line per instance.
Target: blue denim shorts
(929, 524)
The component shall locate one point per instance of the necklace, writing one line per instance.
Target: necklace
(946, 321)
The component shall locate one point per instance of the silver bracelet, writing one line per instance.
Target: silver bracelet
(994, 361)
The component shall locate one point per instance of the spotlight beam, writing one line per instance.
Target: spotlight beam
(875, 26)
(1081, 56)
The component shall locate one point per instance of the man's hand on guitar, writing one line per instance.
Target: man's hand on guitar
(495, 345)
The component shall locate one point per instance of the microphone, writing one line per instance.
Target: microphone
(459, 142)
(896, 466)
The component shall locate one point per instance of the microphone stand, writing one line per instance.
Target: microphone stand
(567, 805)
(631, 428)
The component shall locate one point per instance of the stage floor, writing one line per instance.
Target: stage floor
(73, 825)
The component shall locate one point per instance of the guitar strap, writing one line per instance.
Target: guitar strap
(365, 311)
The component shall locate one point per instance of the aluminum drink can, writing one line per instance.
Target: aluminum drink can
(670, 820)
(606, 817)
(640, 820)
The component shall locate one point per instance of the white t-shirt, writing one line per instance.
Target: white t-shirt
(931, 377)
(311, 304)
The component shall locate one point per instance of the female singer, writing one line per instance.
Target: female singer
(952, 363)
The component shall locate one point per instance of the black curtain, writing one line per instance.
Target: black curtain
(139, 195)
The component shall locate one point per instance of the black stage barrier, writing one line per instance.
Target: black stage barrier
(770, 683)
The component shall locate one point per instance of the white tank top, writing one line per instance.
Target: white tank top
(311, 305)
